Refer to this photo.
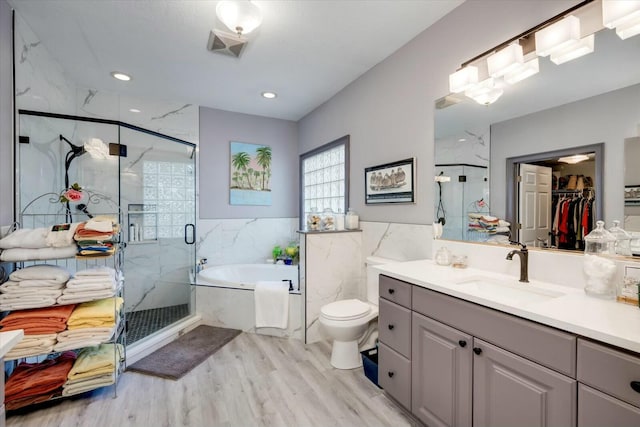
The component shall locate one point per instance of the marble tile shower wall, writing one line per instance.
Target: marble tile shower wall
(243, 241)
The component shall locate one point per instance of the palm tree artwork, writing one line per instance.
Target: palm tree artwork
(250, 173)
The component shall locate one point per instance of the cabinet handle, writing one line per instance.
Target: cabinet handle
(635, 385)
(462, 343)
(391, 291)
(477, 350)
(391, 327)
(391, 374)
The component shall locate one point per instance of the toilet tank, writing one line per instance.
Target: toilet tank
(372, 277)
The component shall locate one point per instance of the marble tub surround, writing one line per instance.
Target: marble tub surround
(568, 308)
(402, 242)
(235, 308)
(332, 271)
(243, 241)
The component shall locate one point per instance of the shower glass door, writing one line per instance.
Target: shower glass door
(157, 195)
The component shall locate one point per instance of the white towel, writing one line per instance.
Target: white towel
(21, 254)
(41, 272)
(31, 238)
(102, 226)
(272, 304)
(73, 298)
(61, 235)
(96, 271)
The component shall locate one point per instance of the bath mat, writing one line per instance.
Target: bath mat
(179, 357)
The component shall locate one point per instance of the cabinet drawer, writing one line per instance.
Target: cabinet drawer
(597, 409)
(394, 375)
(542, 344)
(394, 327)
(609, 370)
(395, 290)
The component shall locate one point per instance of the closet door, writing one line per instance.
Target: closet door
(534, 204)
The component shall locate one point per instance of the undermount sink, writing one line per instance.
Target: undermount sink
(517, 294)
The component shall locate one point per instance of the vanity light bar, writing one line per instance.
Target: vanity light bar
(624, 16)
(463, 79)
(558, 36)
(526, 70)
(505, 61)
(582, 47)
(485, 92)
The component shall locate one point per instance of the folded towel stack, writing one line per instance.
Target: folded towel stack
(90, 284)
(39, 243)
(40, 326)
(95, 237)
(90, 324)
(33, 287)
(37, 382)
(95, 367)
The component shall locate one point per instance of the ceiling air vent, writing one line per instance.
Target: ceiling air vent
(226, 43)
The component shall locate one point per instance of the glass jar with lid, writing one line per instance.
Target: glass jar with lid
(598, 265)
(351, 220)
(313, 220)
(328, 220)
(622, 244)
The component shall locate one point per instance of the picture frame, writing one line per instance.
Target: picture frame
(391, 182)
(250, 174)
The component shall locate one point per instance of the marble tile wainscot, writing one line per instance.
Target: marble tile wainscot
(331, 269)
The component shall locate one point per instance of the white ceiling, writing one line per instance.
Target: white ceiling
(306, 51)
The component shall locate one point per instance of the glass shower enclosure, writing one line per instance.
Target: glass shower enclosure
(150, 176)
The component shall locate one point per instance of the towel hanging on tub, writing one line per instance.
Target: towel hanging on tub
(272, 304)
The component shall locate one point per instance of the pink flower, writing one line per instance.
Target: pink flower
(73, 195)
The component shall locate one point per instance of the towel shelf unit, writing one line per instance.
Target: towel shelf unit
(37, 213)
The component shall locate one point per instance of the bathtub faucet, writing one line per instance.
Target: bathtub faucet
(200, 265)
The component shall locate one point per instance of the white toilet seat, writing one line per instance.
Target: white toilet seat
(343, 310)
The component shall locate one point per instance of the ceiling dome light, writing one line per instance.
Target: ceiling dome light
(576, 158)
(240, 16)
(269, 95)
(120, 76)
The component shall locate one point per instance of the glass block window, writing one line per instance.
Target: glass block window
(325, 178)
(170, 187)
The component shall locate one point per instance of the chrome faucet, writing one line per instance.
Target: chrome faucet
(523, 253)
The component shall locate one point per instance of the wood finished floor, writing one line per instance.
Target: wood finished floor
(254, 380)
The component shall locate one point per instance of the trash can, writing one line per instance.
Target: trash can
(370, 364)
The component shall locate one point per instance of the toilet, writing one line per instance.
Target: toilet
(347, 321)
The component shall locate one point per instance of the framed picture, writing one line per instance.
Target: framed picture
(250, 179)
(391, 182)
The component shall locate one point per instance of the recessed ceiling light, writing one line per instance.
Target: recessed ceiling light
(462, 139)
(134, 110)
(269, 95)
(120, 76)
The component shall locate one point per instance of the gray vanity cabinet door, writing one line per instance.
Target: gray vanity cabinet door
(597, 409)
(509, 390)
(442, 373)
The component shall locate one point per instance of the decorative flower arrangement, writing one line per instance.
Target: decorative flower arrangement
(73, 194)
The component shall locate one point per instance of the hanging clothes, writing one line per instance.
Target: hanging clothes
(572, 220)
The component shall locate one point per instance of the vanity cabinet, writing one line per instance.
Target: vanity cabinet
(609, 389)
(442, 360)
(472, 365)
(394, 335)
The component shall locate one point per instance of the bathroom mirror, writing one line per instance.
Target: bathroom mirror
(590, 101)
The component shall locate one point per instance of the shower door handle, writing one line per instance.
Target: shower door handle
(193, 234)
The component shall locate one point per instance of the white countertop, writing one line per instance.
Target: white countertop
(9, 339)
(608, 321)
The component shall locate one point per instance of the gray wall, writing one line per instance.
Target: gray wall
(6, 115)
(217, 129)
(608, 118)
(389, 110)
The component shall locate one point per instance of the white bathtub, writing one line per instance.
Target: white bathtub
(245, 276)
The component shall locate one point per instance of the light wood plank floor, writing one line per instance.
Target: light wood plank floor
(254, 380)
